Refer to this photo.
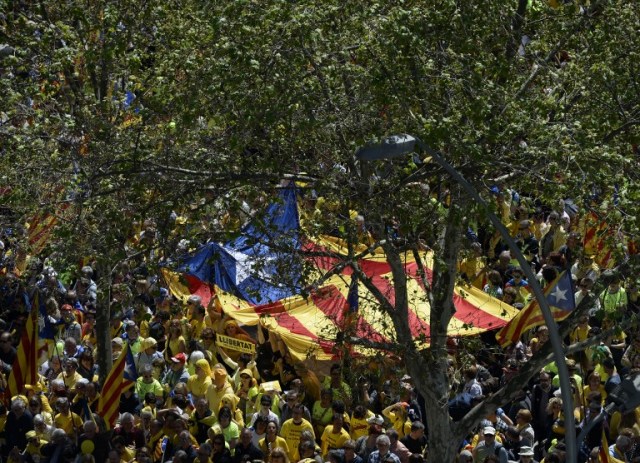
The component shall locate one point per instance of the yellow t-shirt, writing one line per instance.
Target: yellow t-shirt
(359, 426)
(69, 423)
(291, 433)
(331, 440)
(198, 387)
(279, 442)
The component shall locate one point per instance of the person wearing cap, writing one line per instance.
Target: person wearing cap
(147, 383)
(34, 446)
(398, 415)
(526, 455)
(177, 372)
(489, 446)
(148, 353)
(574, 376)
(247, 391)
(219, 387)
(117, 345)
(365, 445)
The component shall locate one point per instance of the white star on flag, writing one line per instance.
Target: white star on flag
(559, 295)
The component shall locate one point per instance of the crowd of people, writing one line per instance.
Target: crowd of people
(195, 399)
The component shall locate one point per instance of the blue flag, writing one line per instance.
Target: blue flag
(130, 372)
(254, 265)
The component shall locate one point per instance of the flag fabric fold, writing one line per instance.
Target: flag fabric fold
(24, 368)
(116, 383)
(559, 294)
(247, 265)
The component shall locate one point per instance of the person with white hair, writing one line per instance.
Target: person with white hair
(19, 421)
(383, 453)
(43, 430)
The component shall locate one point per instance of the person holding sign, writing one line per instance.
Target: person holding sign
(233, 350)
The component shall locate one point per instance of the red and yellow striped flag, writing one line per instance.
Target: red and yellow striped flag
(560, 298)
(114, 386)
(604, 449)
(24, 368)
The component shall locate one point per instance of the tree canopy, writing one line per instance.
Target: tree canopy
(117, 113)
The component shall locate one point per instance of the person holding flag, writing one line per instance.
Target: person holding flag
(560, 297)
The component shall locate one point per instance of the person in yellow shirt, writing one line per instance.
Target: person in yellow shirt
(398, 415)
(65, 419)
(197, 322)
(199, 383)
(474, 267)
(334, 436)
(292, 429)
(219, 387)
(70, 375)
(34, 446)
(594, 384)
(271, 441)
(359, 422)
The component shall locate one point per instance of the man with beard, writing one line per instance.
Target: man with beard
(367, 444)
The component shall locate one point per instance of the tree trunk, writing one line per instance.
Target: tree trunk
(431, 368)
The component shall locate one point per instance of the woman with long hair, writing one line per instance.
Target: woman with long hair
(175, 340)
(271, 441)
(247, 391)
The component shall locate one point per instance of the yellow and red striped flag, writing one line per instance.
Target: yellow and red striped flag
(24, 368)
(114, 386)
(560, 297)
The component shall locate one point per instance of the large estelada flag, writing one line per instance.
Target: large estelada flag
(24, 368)
(343, 312)
(560, 297)
(242, 276)
(121, 377)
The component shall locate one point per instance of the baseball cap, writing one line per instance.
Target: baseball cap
(489, 430)
(179, 358)
(376, 419)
